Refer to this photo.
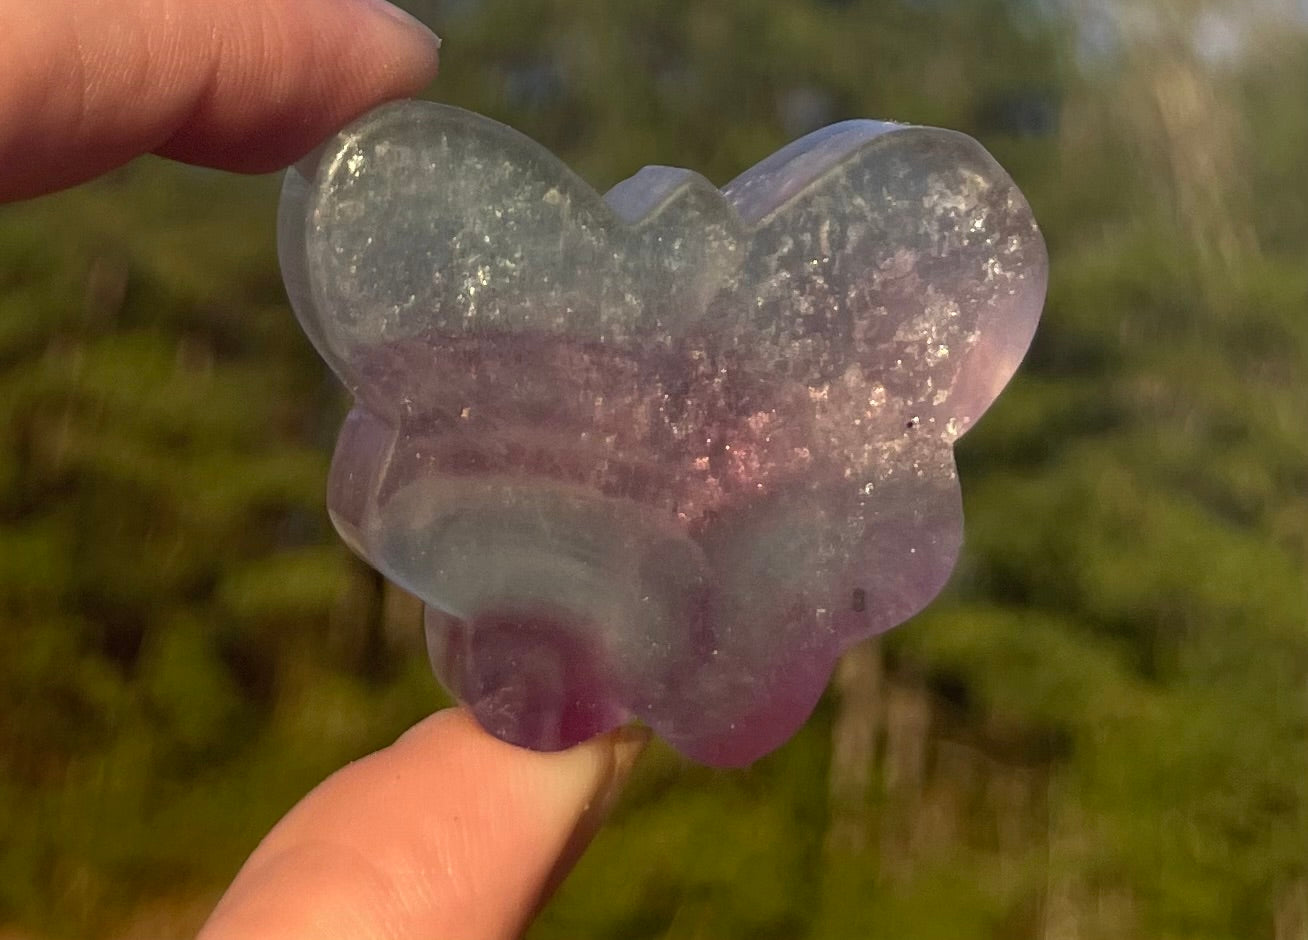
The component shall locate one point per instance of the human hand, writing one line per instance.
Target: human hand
(246, 85)
(448, 832)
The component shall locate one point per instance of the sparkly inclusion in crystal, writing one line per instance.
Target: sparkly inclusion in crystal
(661, 454)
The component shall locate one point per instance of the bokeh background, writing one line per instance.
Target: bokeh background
(1100, 730)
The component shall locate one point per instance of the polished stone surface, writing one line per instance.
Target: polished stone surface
(666, 453)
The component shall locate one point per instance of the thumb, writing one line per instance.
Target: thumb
(446, 833)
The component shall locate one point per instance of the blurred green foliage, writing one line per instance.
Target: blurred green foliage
(1101, 730)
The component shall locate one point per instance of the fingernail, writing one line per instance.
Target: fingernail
(407, 20)
(625, 746)
(628, 743)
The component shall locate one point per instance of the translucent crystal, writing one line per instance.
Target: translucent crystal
(666, 453)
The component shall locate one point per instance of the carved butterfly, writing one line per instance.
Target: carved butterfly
(666, 453)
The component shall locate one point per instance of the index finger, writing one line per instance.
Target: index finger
(246, 85)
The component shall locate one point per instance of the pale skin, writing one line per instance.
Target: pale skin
(448, 833)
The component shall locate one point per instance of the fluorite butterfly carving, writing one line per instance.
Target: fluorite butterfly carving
(666, 453)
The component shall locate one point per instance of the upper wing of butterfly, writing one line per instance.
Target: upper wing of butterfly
(911, 259)
(427, 221)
